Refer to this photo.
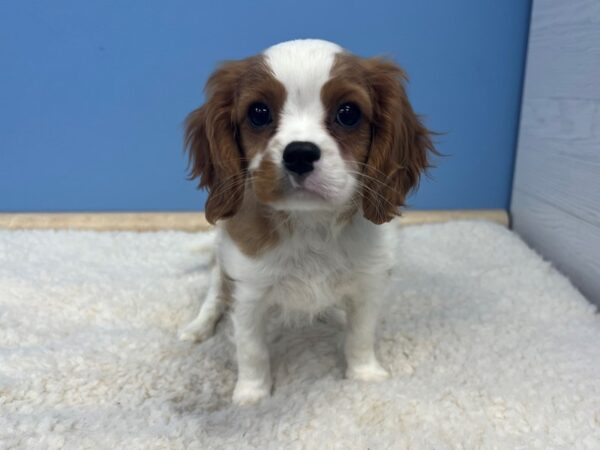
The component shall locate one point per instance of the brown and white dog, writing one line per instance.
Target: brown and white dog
(306, 151)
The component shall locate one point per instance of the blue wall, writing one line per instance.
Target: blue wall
(93, 93)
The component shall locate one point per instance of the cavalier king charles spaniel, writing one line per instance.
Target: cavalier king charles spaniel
(307, 152)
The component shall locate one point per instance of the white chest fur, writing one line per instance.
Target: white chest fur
(315, 266)
(312, 268)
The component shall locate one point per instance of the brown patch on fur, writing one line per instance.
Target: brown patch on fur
(258, 87)
(397, 148)
(266, 181)
(219, 139)
(256, 227)
(346, 85)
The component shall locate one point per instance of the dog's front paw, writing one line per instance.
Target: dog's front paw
(248, 393)
(367, 372)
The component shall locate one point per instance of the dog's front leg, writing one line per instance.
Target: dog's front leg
(362, 313)
(254, 371)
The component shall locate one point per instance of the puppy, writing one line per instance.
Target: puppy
(306, 151)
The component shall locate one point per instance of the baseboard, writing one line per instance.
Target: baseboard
(195, 221)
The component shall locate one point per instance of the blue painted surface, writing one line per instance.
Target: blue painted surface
(93, 94)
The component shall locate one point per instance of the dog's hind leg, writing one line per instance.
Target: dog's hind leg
(215, 303)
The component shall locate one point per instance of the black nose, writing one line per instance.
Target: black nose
(298, 157)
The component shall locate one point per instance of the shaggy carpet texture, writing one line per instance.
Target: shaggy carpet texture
(488, 346)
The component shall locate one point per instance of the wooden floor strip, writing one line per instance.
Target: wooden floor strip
(195, 221)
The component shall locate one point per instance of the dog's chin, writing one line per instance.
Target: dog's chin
(303, 200)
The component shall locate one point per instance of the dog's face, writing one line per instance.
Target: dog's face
(307, 126)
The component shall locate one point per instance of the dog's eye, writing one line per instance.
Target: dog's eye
(348, 115)
(259, 115)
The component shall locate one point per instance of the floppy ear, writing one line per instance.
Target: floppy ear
(400, 144)
(210, 138)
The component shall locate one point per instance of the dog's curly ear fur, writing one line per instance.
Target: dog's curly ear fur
(211, 142)
(400, 144)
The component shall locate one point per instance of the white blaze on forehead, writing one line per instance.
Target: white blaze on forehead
(303, 66)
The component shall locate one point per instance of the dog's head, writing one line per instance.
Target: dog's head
(307, 126)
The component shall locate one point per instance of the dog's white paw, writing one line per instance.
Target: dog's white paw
(367, 372)
(248, 393)
(196, 332)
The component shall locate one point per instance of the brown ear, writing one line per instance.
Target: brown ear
(400, 144)
(210, 138)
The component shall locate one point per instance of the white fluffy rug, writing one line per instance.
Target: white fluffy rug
(488, 345)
